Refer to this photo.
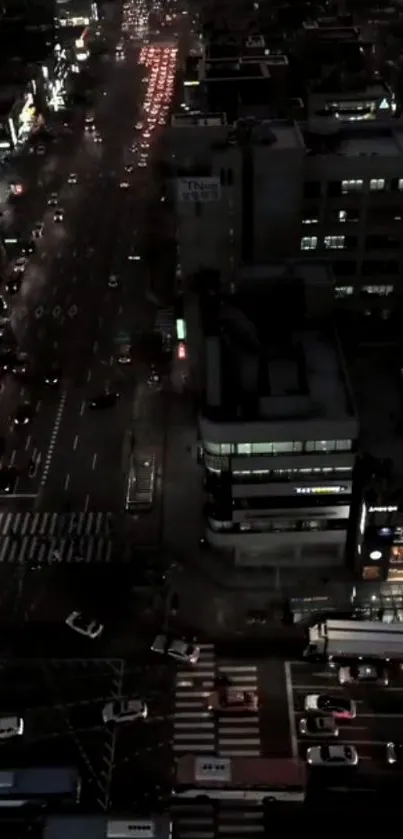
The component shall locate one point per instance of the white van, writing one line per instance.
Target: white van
(11, 727)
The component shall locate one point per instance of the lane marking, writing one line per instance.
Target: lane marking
(28, 443)
(291, 713)
(87, 503)
(89, 375)
(53, 440)
(67, 481)
(75, 444)
(82, 409)
(94, 461)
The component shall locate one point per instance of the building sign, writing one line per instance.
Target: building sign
(199, 190)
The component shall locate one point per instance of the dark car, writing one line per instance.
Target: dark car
(7, 360)
(104, 400)
(13, 285)
(27, 248)
(52, 376)
(8, 477)
(24, 414)
(20, 365)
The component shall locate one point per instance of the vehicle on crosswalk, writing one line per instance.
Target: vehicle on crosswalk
(176, 648)
(20, 265)
(258, 779)
(332, 756)
(340, 707)
(362, 672)
(394, 754)
(11, 726)
(125, 710)
(228, 699)
(314, 725)
(84, 626)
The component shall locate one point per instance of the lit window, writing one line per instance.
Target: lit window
(309, 243)
(310, 221)
(354, 185)
(244, 448)
(343, 290)
(380, 290)
(342, 215)
(377, 184)
(334, 242)
(400, 183)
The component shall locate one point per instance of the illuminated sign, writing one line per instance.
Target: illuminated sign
(181, 329)
(391, 509)
(375, 555)
(320, 490)
(363, 518)
(198, 190)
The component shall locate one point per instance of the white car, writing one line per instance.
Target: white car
(176, 648)
(90, 628)
(113, 281)
(124, 185)
(125, 710)
(72, 178)
(58, 215)
(37, 232)
(340, 707)
(20, 265)
(363, 673)
(53, 199)
(332, 756)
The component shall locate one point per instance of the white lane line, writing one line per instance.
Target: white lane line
(53, 439)
(75, 444)
(82, 409)
(94, 461)
(290, 706)
(86, 503)
(89, 375)
(13, 456)
(28, 443)
(95, 346)
(67, 481)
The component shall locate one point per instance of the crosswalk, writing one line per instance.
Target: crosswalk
(196, 730)
(54, 524)
(203, 820)
(41, 539)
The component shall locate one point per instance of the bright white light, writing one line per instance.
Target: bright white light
(375, 555)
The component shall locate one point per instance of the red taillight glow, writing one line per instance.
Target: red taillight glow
(182, 351)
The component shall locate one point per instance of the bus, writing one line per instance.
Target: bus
(353, 639)
(140, 484)
(258, 779)
(39, 786)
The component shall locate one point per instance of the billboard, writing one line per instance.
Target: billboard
(198, 190)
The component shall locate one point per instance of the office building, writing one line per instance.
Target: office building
(277, 424)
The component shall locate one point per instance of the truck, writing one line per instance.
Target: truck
(354, 639)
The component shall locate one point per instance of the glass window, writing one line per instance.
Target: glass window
(244, 448)
(378, 290)
(377, 184)
(334, 242)
(344, 445)
(262, 448)
(343, 290)
(212, 448)
(352, 185)
(225, 448)
(321, 445)
(283, 448)
(309, 243)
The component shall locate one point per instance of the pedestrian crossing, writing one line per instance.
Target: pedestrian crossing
(228, 820)
(48, 525)
(35, 552)
(198, 731)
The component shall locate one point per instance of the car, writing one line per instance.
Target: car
(53, 199)
(72, 178)
(8, 478)
(52, 376)
(113, 281)
(332, 756)
(394, 754)
(24, 414)
(11, 726)
(90, 628)
(138, 126)
(363, 673)
(340, 707)
(228, 699)
(7, 359)
(41, 149)
(125, 710)
(20, 265)
(176, 648)
(20, 365)
(129, 168)
(4, 307)
(58, 215)
(97, 138)
(104, 400)
(124, 185)
(124, 354)
(13, 285)
(38, 230)
(28, 248)
(314, 725)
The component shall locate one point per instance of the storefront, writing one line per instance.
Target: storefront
(380, 543)
(55, 76)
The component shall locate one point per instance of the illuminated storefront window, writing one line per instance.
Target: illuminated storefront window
(26, 118)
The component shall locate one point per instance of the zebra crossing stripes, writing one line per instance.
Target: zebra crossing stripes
(195, 729)
(203, 820)
(53, 524)
(34, 552)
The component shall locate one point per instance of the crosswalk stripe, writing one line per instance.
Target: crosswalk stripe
(201, 735)
(47, 538)
(192, 747)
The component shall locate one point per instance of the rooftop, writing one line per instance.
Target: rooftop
(263, 363)
(355, 139)
(238, 69)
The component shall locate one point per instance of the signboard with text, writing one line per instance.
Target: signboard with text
(199, 190)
